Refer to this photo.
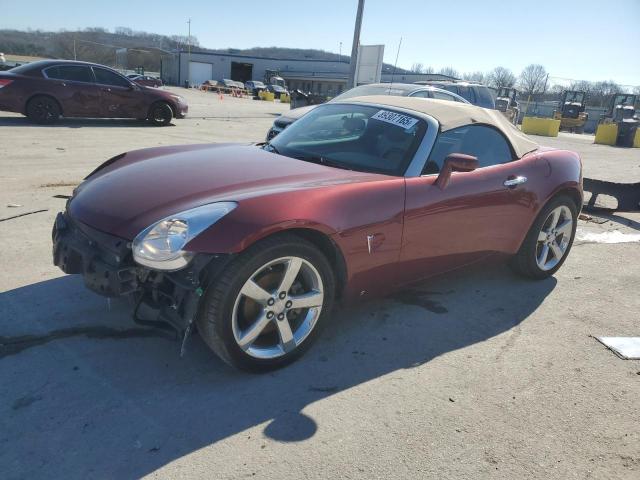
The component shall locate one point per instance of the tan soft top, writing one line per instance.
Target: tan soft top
(456, 114)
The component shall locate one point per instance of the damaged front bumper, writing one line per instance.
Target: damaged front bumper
(162, 299)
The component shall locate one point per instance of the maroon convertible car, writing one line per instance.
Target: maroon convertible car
(48, 89)
(254, 243)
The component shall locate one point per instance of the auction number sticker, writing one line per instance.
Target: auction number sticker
(397, 119)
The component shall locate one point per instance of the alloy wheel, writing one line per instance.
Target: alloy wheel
(277, 307)
(554, 238)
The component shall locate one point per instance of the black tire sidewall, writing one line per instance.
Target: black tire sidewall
(529, 246)
(220, 299)
(31, 105)
(167, 111)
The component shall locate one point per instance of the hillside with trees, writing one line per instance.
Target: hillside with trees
(99, 45)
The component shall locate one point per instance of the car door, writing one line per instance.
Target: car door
(74, 87)
(475, 215)
(119, 98)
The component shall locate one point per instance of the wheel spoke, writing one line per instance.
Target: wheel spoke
(555, 216)
(557, 251)
(254, 331)
(307, 300)
(565, 227)
(542, 258)
(255, 292)
(286, 335)
(290, 274)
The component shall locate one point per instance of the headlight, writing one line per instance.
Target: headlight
(160, 246)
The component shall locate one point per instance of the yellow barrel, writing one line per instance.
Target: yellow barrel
(636, 139)
(285, 98)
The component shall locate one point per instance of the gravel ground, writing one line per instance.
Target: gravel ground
(476, 374)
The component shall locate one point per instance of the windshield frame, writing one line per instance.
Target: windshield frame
(421, 154)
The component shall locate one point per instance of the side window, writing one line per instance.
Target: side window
(73, 73)
(443, 96)
(481, 141)
(468, 94)
(486, 100)
(107, 77)
(421, 94)
(451, 88)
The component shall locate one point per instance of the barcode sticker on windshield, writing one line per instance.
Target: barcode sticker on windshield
(397, 119)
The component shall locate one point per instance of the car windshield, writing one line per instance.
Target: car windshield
(353, 137)
(364, 90)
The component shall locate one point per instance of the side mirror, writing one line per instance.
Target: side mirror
(455, 162)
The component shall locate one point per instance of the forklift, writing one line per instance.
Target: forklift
(622, 112)
(507, 104)
(571, 112)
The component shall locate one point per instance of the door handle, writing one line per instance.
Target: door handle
(514, 182)
(105, 89)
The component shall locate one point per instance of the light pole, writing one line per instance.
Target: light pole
(351, 81)
(189, 54)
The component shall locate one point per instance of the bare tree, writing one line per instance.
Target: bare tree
(533, 79)
(475, 77)
(501, 77)
(428, 70)
(449, 71)
(417, 68)
(636, 90)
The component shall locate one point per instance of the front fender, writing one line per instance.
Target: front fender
(363, 219)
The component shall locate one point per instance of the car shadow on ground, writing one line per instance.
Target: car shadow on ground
(78, 123)
(93, 403)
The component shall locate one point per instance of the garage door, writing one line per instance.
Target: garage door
(200, 72)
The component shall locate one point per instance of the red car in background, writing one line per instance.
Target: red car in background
(146, 80)
(357, 198)
(48, 89)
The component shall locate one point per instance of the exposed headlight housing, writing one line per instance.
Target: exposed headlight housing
(161, 245)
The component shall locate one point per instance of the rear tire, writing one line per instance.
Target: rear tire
(43, 110)
(249, 318)
(160, 114)
(549, 240)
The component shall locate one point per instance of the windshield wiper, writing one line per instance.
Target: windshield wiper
(322, 161)
(267, 146)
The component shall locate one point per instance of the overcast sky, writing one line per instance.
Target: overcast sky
(587, 40)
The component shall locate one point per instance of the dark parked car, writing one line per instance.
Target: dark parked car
(146, 80)
(473, 92)
(255, 86)
(356, 199)
(396, 89)
(277, 90)
(47, 89)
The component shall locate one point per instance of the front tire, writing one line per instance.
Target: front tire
(160, 114)
(43, 110)
(268, 306)
(549, 240)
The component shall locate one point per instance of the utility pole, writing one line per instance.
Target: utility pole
(351, 81)
(340, 55)
(75, 57)
(189, 53)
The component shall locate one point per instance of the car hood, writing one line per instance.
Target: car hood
(133, 190)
